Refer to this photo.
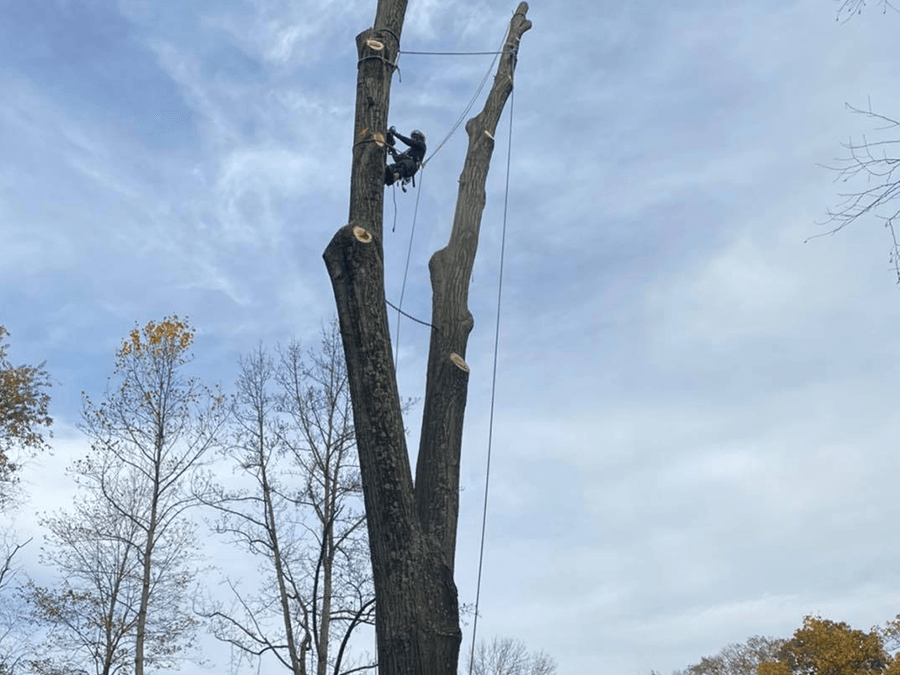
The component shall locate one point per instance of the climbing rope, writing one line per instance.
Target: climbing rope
(403, 51)
(410, 316)
(394, 195)
(487, 473)
(412, 233)
(450, 133)
(474, 98)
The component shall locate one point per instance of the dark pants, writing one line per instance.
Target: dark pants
(405, 168)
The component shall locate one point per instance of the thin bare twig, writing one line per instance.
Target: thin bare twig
(867, 160)
(850, 8)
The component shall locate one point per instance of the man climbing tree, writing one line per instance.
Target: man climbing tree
(412, 527)
(405, 163)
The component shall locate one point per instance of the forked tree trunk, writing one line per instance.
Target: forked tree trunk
(412, 530)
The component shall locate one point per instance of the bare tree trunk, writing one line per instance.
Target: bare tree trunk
(327, 580)
(297, 665)
(147, 564)
(112, 635)
(147, 561)
(412, 531)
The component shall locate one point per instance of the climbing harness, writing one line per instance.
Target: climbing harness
(406, 180)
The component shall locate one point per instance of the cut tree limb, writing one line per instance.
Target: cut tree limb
(437, 468)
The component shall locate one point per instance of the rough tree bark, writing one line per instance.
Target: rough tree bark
(412, 529)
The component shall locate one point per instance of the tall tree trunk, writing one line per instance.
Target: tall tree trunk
(297, 666)
(326, 553)
(113, 633)
(147, 564)
(327, 586)
(412, 531)
(152, 523)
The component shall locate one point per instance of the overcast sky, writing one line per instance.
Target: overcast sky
(695, 433)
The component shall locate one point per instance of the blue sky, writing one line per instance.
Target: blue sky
(695, 434)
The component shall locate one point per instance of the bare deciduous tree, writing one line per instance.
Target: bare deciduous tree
(506, 656)
(315, 395)
(742, 658)
(301, 516)
(92, 613)
(125, 552)
(256, 519)
(872, 161)
(875, 162)
(14, 638)
(412, 527)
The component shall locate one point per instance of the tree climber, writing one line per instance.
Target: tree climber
(405, 163)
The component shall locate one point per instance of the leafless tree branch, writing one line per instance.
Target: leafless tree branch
(870, 162)
(850, 8)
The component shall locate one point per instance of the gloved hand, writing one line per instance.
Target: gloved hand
(392, 130)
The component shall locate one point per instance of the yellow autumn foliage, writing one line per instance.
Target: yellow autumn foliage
(774, 668)
(171, 336)
(24, 404)
(824, 647)
(818, 647)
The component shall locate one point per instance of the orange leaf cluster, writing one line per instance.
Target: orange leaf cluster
(824, 647)
(169, 336)
(24, 404)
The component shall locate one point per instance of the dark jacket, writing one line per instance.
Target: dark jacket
(416, 150)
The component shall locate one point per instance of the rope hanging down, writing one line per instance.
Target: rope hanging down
(453, 129)
(487, 473)
(450, 133)
(412, 233)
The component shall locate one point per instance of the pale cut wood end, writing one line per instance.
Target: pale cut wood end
(375, 44)
(378, 137)
(459, 362)
(488, 134)
(362, 234)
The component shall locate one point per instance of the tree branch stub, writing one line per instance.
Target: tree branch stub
(362, 235)
(459, 362)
